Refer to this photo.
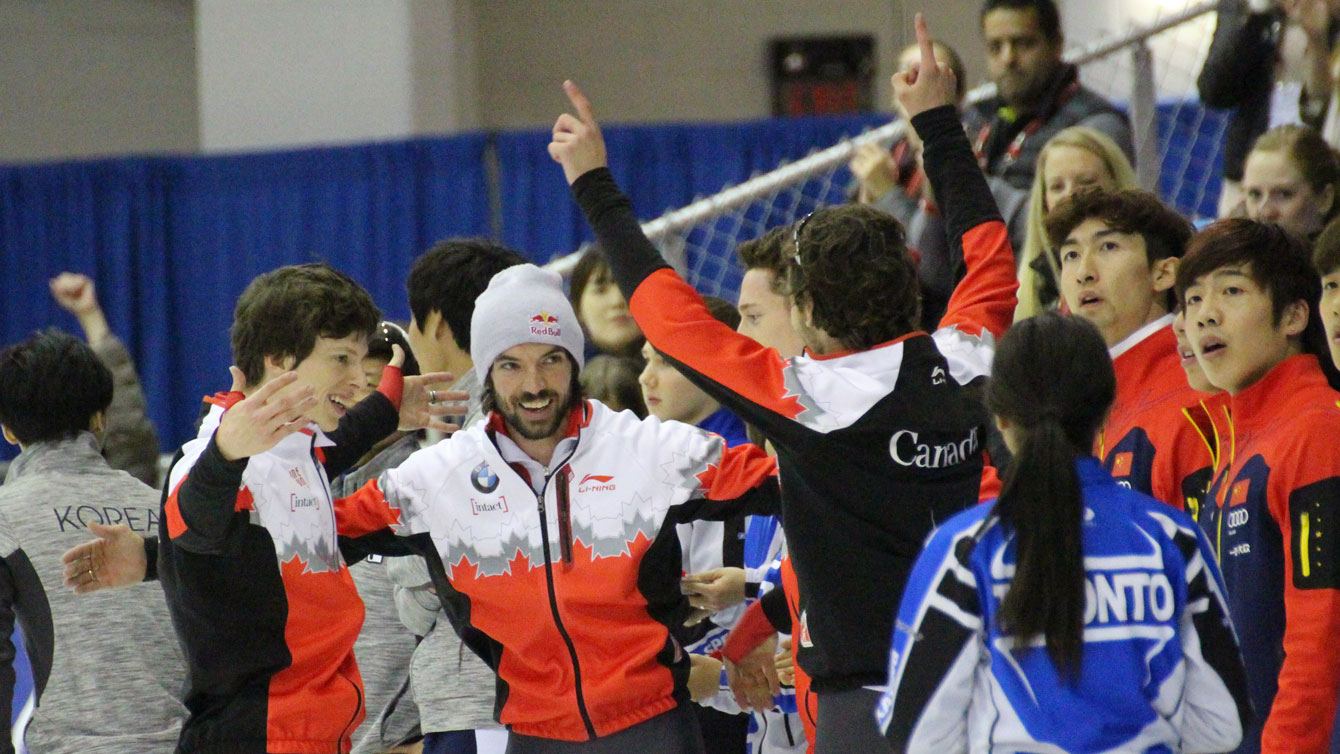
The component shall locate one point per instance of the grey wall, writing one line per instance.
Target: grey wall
(84, 78)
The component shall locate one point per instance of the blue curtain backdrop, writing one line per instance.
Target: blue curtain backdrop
(171, 242)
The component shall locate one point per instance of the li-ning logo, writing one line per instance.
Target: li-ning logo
(482, 479)
(489, 506)
(545, 324)
(938, 376)
(296, 474)
(596, 483)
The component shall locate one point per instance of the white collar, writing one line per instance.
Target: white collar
(1130, 341)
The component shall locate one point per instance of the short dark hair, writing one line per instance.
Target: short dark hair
(1326, 251)
(1275, 259)
(51, 385)
(1049, 18)
(855, 268)
(450, 276)
(390, 334)
(766, 253)
(283, 312)
(489, 396)
(1164, 231)
(612, 380)
(723, 310)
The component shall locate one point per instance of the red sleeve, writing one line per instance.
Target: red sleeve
(1304, 498)
(741, 470)
(749, 632)
(392, 384)
(986, 296)
(1183, 453)
(676, 322)
(365, 511)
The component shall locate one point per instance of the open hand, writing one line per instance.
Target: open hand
(258, 422)
(114, 559)
(577, 142)
(754, 681)
(704, 677)
(786, 666)
(929, 84)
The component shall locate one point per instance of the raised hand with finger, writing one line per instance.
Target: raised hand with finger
(577, 143)
(930, 83)
(259, 421)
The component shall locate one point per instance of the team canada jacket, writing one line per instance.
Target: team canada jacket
(1159, 672)
(1273, 516)
(261, 599)
(1146, 443)
(874, 447)
(565, 579)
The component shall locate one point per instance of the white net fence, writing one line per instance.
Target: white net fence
(1149, 69)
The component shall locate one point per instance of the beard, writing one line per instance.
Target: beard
(543, 427)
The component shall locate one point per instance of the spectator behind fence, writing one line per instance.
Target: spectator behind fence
(1292, 178)
(117, 676)
(612, 380)
(1326, 260)
(130, 444)
(1269, 61)
(1273, 511)
(602, 309)
(995, 631)
(893, 181)
(1037, 94)
(1075, 159)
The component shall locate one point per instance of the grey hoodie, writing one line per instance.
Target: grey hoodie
(117, 674)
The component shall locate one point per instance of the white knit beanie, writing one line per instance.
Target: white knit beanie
(523, 304)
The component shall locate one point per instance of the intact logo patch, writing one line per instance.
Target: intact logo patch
(1314, 512)
(545, 324)
(483, 479)
(489, 506)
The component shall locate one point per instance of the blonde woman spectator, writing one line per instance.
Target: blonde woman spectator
(1075, 159)
(1291, 178)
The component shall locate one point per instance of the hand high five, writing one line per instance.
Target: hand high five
(258, 422)
(577, 144)
(929, 84)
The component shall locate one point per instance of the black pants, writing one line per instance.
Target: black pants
(722, 733)
(673, 732)
(847, 723)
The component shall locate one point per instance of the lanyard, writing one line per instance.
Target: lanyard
(1016, 146)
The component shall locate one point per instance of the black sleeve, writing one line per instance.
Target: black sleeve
(151, 558)
(624, 246)
(775, 609)
(22, 599)
(960, 188)
(207, 501)
(1241, 56)
(366, 424)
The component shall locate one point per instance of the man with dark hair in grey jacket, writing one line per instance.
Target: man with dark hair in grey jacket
(117, 673)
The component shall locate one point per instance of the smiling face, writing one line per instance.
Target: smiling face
(765, 315)
(1068, 169)
(334, 371)
(604, 311)
(1107, 279)
(1020, 59)
(1277, 192)
(1231, 325)
(668, 394)
(1330, 312)
(532, 385)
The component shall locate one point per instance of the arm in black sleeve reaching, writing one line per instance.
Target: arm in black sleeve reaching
(366, 424)
(630, 255)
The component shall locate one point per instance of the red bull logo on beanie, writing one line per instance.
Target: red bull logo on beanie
(546, 325)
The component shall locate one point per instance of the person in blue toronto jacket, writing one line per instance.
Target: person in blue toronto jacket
(1070, 614)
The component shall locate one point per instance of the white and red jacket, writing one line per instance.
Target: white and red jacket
(565, 579)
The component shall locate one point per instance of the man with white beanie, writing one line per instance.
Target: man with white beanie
(549, 530)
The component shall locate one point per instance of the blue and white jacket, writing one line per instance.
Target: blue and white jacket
(1160, 671)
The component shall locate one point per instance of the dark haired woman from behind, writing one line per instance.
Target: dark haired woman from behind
(1072, 613)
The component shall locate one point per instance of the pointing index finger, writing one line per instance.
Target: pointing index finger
(579, 102)
(924, 42)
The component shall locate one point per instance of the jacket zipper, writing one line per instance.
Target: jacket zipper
(358, 690)
(553, 604)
